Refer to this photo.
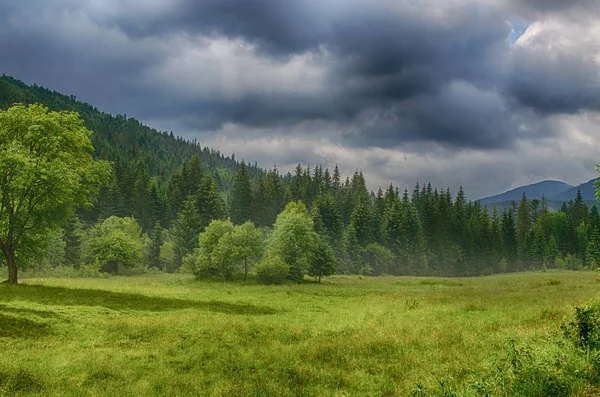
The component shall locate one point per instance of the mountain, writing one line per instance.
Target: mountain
(145, 160)
(588, 192)
(550, 189)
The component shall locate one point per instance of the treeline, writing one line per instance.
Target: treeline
(422, 232)
(174, 188)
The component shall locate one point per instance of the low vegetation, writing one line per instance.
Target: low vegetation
(166, 334)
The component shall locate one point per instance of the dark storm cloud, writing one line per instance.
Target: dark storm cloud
(394, 71)
(541, 7)
(278, 26)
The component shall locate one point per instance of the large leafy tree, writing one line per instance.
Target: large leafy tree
(46, 169)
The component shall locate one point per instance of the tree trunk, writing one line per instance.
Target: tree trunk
(9, 256)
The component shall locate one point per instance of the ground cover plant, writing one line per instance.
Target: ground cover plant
(162, 334)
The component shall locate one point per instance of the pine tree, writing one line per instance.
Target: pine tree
(509, 239)
(592, 254)
(73, 234)
(240, 204)
(523, 226)
(185, 230)
(336, 178)
(361, 221)
(156, 241)
(379, 209)
(209, 202)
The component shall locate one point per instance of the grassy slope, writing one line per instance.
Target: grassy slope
(171, 335)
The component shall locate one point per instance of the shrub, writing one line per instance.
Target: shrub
(584, 328)
(272, 270)
(570, 262)
(115, 244)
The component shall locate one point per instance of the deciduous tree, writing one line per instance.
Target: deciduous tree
(46, 169)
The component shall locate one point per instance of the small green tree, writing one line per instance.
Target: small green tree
(293, 239)
(185, 230)
(380, 259)
(322, 261)
(156, 242)
(240, 201)
(210, 261)
(231, 248)
(593, 249)
(272, 270)
(46, 169)
(114, 244)
(167, 257)
(246, 246)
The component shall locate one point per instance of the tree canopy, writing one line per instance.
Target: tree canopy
(46, 169)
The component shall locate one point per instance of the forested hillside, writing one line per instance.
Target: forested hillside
(145, 161)
(165, 192)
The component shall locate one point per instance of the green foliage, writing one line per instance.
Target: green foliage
(161, 179)
(378, 259)
(168, 257)
(156, 242)
(272, 270)
(569, 262)
(114, 244)
(212, 260)
(46, 169)
(322, 262)
(145, 160)
(185, 230)
(293, 239)
(584, 328)
(240, 201)
(246, 246)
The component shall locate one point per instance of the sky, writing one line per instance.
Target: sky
(487, 94)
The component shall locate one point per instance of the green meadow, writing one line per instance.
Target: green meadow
(171, 335)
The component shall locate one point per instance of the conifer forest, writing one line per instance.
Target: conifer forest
(171, 190)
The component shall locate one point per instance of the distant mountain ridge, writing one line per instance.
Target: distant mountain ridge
(554, 191)
(536, 190)
(588, 192)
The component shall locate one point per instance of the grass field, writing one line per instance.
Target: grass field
(352, 336)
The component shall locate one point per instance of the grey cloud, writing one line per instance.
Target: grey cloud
(395, 74)
(537, 8)
(554, 78)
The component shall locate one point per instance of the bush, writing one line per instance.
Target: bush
(272, 270)
(570, 262)
(584, 328)
(115, 244)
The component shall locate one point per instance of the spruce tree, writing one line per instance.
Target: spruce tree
(156, 241)
(240, 204)
(209, 202)
(185, 230)
(523, 225)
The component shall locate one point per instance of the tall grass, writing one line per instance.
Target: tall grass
(352, 336)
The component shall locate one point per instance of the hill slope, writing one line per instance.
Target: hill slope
(588, 192)
(124, 140)
(536, 190)
(144, 159)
